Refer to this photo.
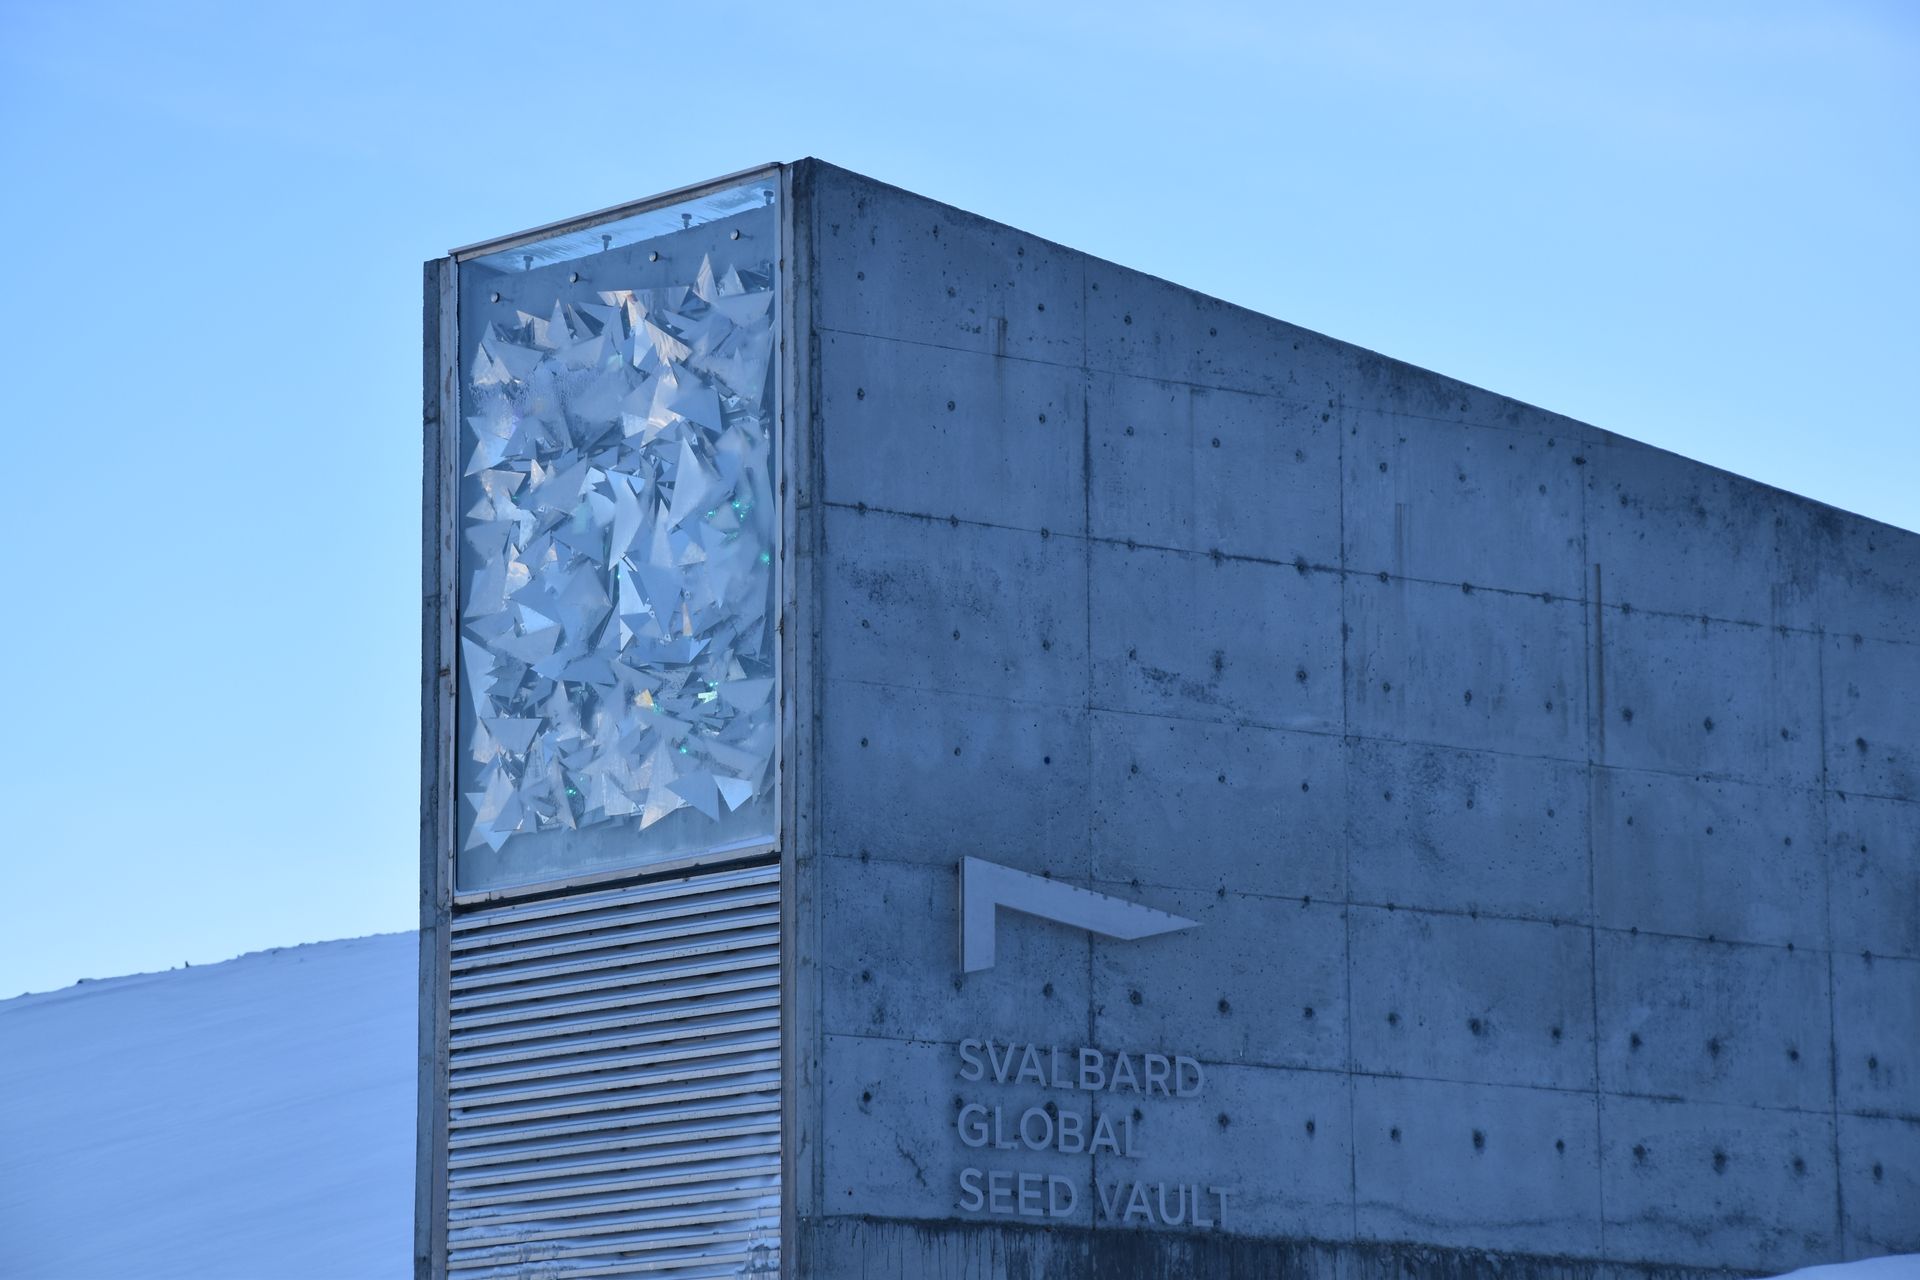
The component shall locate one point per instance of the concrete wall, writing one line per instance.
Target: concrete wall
(1550, 804)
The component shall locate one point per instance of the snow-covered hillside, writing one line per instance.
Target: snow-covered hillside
(249, 1119)
(1904, 1267)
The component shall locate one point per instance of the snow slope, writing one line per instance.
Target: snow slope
(1904, 1267)
(247, 1119)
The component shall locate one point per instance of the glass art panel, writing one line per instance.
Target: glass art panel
(618, 561)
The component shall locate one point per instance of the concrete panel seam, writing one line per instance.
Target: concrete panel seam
(1833, 1029)
(1358, 1073)
(1302, 565)
(1404, 740)
(1346, 842)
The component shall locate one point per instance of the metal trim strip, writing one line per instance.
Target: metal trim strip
(582, 221)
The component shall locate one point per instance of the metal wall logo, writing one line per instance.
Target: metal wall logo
(985, 887)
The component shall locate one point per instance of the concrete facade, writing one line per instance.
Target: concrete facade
(1549, 805)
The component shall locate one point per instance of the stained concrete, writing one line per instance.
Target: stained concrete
(1593, 768)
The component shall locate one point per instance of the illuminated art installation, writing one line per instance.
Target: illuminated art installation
(617, 643)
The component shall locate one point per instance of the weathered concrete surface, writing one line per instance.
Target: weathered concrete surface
(1550, 804)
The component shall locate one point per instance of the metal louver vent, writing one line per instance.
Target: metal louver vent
(614, 1097)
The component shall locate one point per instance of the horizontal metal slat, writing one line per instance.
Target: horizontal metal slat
(741, 1035)
(693, 1065)
(742, 1102)
(604, 1205)
(750, 1126)
(473, 949)
(751, 1012)
(623, 1223)
(607, 934)
(737, 972)
(765, 920)
(670, 1007)
(662, 1159)
(619, 970)
(664, 1244)
(476, 923)
(764, 1083)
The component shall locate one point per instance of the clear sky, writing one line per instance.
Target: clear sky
(1694, 223)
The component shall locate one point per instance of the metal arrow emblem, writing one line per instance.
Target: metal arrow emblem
(986, 887)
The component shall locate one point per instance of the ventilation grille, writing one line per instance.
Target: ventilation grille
(614, 1100)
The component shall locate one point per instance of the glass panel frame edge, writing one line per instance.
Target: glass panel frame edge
(666, 869)
(612, 213)
(449, 481)
(439, 788)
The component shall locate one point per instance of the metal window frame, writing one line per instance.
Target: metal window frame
(440, 683)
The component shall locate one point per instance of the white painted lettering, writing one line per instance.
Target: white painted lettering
(970, 1067)
(972, 1125)
(1030, 1067)
(1030, 1184)
(970, 1197)
(1028, 1131)
(1055, 1207)
(1073, 1132)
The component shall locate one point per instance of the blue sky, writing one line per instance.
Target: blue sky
(1693, 223)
